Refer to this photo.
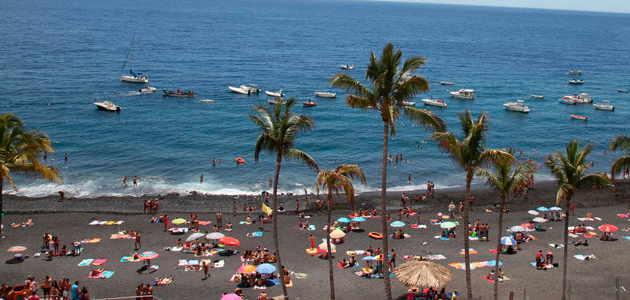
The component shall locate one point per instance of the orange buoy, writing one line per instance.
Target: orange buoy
(375, 235)
(240, 160)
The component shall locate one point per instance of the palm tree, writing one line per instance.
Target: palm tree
(389, 85)
(620, 142)
(469, 153)
(570, 172)
(337, 180)
(506, 177)
(279, 131)
(20, 150)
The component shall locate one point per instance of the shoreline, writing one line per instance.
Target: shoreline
(543, 194)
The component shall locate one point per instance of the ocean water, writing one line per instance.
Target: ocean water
(57, 58)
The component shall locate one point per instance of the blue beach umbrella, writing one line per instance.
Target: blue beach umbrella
(542, 208)
(370, 258)
(555, 208)
(343, 220)
(397, 224)
(508, 241)
(266, 269)
(493, 263)
(359, 219)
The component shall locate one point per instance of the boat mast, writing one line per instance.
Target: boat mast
(133, 39)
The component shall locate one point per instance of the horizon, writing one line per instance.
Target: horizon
(603, 6)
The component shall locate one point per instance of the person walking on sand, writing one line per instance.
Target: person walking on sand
(165, 222)
(137, 244)
(234, 208)
(205, 269)
(312, 239)
(219, 219)
(392, 260)
(297, 206)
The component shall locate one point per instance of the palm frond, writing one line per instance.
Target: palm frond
(619, 165)
(302, 157)
(425, 118)
(620, 142)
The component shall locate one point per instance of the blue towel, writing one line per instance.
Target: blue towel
(108, 274)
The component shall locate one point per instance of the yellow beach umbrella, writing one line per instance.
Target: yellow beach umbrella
(179, 221)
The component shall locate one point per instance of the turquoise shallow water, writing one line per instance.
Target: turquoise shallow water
(59, 58)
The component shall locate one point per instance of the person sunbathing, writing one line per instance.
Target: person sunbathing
(343, 263)
(300, 225)
(353, 261)
(510, 250)
(374, 212)
(263, 296)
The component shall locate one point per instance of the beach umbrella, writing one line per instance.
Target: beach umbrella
(493, 263)
(447, 225)
(228, 241)
(539, 220)
(423, 273)
(370, 258)
(343, 220)
(148, 255)
(231, 296)
(358, 219)
(440, 214)
(194, 236)
(608, 228)
(555, 208)
(517, 229)
(526, 225)
(532, 212)
(266, 269)
(337, 234)
(178, 221)
(17, 249)
(542, 208)
(397, 224)
(324, 246)
(214, 235)
(508, 241)
(247, 269)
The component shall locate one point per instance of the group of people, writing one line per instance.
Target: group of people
(48, 288)
(258, 256)
(144, 290)
(479, 230)
(430, 294)
(151, 206)
(544, 261)
(50, 245)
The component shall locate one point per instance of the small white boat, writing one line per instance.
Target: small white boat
(538, 96)
(107, 106)
(347, 67)
(148, 90)
(434, 102)
(275, 101)
(407, 103)
(517, 106)
(575, 72)
(464, 94)
(178, 93)
(576, 81)
(446, 83)
(605, 105)
(277, 94)
(326, 94)
(583, 98)
(245, 89)
(622, 91)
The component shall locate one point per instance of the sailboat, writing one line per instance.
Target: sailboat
(132, 76)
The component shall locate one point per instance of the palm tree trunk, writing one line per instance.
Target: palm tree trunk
(499, 232)
(330, 262)
(566, 246)
(388, 287)
(1, 207)
(276, 243)
(469, 176)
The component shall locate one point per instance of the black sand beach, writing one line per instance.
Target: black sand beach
(69, 220)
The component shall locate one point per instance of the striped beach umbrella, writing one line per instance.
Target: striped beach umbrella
(508, 241)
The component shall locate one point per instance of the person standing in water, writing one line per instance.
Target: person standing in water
(125, 180)
(135, 181)
(201, 178)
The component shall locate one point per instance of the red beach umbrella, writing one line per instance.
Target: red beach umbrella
(608, 228)
(228, 241)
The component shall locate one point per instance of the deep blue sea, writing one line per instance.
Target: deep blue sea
(58, 57)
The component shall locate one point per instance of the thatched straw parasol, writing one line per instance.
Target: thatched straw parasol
(423, 274)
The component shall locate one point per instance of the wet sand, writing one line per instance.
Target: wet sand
(590, 280)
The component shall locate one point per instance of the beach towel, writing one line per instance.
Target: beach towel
(120, 236)
(623, 215)
(107, 274)
(585, 257)
(161, 281)
(627, 237)
(418, 226)
(182, 263)
(436, 257)
(128, 259)
(300, 275)
(174, 249)
(311, 227)
(245, 222)
(98, 262)
(556, 245)
(86, 262)
(219, 264)
(110, 223)
(95, 222)
(205, 222)
(91, 241)
(470, 251)
(255, 234)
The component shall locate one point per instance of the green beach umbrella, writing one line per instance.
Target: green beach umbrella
(448, 225)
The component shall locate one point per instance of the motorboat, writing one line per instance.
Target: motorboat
(567, 100)
(178, 93)
(277, 94)
(575, 72)
(245, 89)
(538, 96)
(407, 103)
(446, 83)
(309, 103)
(464, 94)
(605, 105)
(517, 106)
(107, 106)
(583, 98)
(206, 101)
(622, 91)
(434, 102)
(275, 101)
(347, 67)
(148, 90)
(326, 94)
(579, 117)
(133, 77)
(576, 81)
